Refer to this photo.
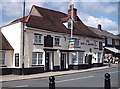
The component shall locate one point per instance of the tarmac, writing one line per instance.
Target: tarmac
(7, 78)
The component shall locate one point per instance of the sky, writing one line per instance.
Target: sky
(91, 12)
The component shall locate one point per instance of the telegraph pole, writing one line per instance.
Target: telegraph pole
(23, 27)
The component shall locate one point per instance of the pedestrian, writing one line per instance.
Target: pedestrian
(109, 60)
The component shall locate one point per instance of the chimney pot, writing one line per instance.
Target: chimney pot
(71, 6)
(99, 27)
(72, 12)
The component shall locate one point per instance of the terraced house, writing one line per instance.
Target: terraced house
(111, 43)
(47, 42)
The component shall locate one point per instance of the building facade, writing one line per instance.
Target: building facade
(6, 55)
(47, 42)
(111, 44)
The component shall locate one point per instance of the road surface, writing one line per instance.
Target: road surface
(91, 79)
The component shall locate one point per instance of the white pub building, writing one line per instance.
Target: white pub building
(48, 45)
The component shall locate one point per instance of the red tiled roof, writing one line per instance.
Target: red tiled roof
(24, 19)
(53, 21)
(4, 44)
(103, 33)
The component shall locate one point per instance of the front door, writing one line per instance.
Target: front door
(63, 61)
(89, 60)
(47, 58)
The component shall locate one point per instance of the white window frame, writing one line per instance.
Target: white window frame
(109, 41)
(56, 42)
(80, 57)
(39, 60)
(116, 42)
(96, 44)
(74, 58)
(2, 63)
(99, 57)
(77, 42)
(37, 38)
(17, 59)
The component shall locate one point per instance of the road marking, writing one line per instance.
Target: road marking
(114, 72)
(74, 79)
(22, 86)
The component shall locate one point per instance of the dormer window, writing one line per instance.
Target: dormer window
(70, 23)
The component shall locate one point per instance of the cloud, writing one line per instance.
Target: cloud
(30, 3)
(5, 23)
(13, 9)
(12, 1)
(106, 23)
(59, 6)
(0, 14)
(101, 7)
(97, 0)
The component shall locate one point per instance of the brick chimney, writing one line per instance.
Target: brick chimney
(72, 12)
(99, 27)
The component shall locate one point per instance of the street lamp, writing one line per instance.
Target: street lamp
(70, 26)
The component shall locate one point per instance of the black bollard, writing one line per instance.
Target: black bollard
(107, 81)
(51, 82)
(23, 68)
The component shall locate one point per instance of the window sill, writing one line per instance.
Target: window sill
(3, 66)
(57, 45)
(109, 44)
(33, 65)
(77, 47)
(117, 45)
(37, 44)
(96, 48)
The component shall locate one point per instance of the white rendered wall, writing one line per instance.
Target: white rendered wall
(12, 33)
(9, 58)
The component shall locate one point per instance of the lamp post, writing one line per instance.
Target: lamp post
(70, 26)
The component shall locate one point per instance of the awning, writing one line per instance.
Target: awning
(113, 49)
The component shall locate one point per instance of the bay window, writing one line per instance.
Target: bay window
(74, 57)
(80, 57)
(77, 57)
(37, 58)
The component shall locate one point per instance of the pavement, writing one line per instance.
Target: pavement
(7, 78)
